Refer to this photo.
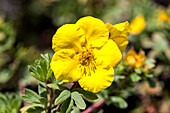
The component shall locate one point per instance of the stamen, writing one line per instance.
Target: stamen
(87, 61)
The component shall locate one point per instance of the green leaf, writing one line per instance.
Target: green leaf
(49, 73)
(34, 72)
(75, 110)
(151, 82)
(67, 106)
(44, 66)
(43, 100)
(62, 97)
(53, 85)
(135, 77)
(31, 96)
(138, 70)
(119, 102)
(41, 72)
(86, 94)
(42, 91)
(47, 59)
(41, 69)
(78, 100)
(32, 109)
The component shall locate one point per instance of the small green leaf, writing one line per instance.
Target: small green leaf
(86, 94)
(31, 96)
(43, 100)
(55, 86)
(67, 106)
(49, 73)
(47, 59)
(135, 77)
(138, 70)
(62, 97)
(78, 100)
(43, 65)
(75, 110)
(41, 72)
(41, 69)
(33, 72)
(32, 109)
(42, 91)
(119, 102)
(151, 82)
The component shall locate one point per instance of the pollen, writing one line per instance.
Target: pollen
(87, 61)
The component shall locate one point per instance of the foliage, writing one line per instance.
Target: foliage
(10, 103)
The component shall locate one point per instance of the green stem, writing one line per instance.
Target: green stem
(51, 99)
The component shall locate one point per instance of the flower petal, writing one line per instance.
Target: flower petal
(98, 80)
(119, 33)
(109, 55)
(68, 36)
(65, 65)
(95, 30)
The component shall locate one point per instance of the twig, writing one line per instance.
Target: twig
(51, 99)
(94, 106)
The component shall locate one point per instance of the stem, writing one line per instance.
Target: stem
(94, 106)
(76, 85)
(57, 108)
(51, 99)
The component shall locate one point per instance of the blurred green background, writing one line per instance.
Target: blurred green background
(27, 27)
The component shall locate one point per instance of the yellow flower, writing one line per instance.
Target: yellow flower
(85, 53)
(162, 16)
(135, 60)
(138, 25)
(119, 34)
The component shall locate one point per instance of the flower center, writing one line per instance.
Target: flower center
(87, 61)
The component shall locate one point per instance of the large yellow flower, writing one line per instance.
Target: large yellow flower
(85, 53)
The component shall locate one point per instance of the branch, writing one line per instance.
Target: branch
(94, 106)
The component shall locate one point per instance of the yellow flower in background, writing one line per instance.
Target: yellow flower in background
(138, 24)
(133, 59)
(85, 53)
(162, 16)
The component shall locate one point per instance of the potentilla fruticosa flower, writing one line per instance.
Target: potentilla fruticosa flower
(87, 52)
(163, 16)
(138, 24)
(133, 59)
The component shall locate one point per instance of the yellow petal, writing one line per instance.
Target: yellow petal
(95, 30)
(140, 59)
(65, 65)
(138, 24)
(98, 80)
(132, 52)
(109, 55)
(130, 60)
(119, 33)
(68, 36)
